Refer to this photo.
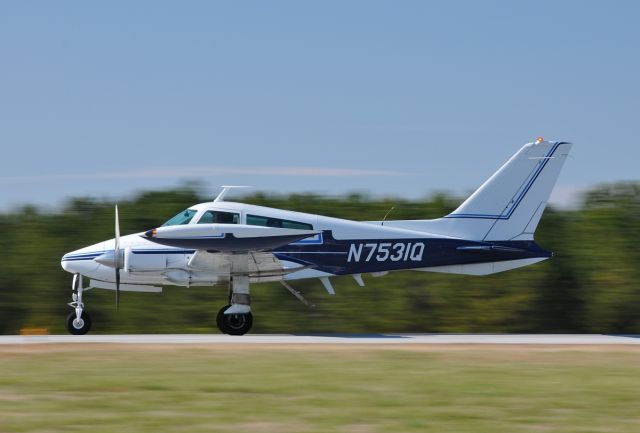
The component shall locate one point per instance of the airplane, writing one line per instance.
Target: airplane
(235, 244)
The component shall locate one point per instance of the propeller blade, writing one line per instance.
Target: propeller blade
(117, 289)
(117, 239)
(116, 252)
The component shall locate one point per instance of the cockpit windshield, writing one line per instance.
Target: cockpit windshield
(182, 218)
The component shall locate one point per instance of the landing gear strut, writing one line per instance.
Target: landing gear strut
(78, 322)
(236, 318)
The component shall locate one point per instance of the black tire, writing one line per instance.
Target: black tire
(78, 328)
(233, 324)
(220, 322)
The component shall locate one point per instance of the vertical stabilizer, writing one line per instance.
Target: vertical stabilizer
(514, 198)
(508, 206)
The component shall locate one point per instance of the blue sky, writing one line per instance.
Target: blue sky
(394, 98)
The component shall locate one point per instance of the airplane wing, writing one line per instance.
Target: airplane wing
(228, 238)
(232, 249)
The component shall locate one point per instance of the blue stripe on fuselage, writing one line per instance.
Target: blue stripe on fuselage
(93, 255)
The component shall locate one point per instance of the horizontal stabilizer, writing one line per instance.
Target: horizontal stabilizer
(483, 268)
(473, 248)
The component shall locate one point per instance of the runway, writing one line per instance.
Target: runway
(347, 339)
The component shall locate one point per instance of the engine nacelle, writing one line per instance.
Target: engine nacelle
(140, 262)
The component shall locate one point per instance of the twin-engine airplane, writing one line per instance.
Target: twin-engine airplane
(238, 244)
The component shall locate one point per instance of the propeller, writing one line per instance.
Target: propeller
(114, 259)
(117, 261)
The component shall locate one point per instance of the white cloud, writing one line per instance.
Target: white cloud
(567, 196)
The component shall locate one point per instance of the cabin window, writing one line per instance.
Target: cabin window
(256, 220)
(183, 217)
(218, 217)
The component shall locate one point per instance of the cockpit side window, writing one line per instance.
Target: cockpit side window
(256, 220)
(219, 217)
(182, 218)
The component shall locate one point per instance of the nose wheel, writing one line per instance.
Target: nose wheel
(78, 326)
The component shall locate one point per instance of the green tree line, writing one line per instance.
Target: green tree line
(590, 285)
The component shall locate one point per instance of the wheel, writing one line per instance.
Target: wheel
(233, 324)
(78, 327)
(220, 322)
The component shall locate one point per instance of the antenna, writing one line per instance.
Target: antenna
(387, 214)
(226, 189)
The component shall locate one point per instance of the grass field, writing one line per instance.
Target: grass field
(107, 388)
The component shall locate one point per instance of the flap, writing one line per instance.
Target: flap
(251, 264)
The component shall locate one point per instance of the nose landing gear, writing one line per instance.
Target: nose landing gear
(78, 322)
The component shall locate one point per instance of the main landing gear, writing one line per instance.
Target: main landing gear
(236, 318)
(78, 321)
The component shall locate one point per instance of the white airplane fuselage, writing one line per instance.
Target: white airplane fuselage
(343, 247)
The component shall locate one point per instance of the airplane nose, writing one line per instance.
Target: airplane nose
(69, 263)
(81, 261)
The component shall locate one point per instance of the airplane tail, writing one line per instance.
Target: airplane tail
(509, 205)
